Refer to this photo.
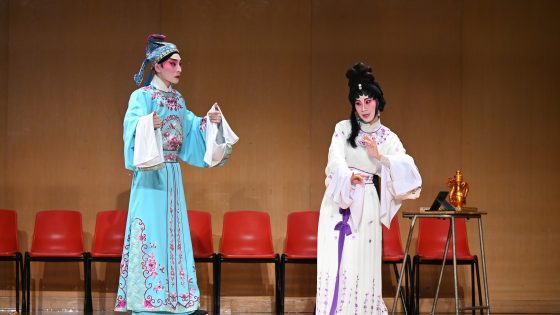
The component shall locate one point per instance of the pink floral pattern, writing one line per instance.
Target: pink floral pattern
(172, 133)
(148, 304)
(203, 124)
(152, 271)
(120, 303)
(170, 100)
(152, 266)
(170, 157)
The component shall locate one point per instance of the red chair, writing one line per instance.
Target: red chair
(246, 238)
(58, 237)
(300, 246)
(9, 246)
(108, 240)
(393, 254)
(200, 225)
(432, 236)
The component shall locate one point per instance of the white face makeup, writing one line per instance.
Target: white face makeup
(170, 71)
(365, 108)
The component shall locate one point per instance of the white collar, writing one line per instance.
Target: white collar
(158, 84)
(370, 127)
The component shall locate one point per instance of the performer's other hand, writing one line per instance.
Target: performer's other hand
(371, 147)
(357, 179)
(157, 121)
(215, 114)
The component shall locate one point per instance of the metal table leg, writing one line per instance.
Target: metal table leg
(409, 239)
(456, 280)
(484, 274)
(449, 236)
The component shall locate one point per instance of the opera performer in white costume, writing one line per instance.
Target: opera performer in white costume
(349, 239)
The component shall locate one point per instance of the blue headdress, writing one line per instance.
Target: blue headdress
(156, 49)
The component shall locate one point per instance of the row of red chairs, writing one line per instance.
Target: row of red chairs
(246, 238)
(58, 237)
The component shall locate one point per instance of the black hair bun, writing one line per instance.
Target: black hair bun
(362, 82)
(359, 73)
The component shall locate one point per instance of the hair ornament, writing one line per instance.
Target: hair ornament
(359, 86)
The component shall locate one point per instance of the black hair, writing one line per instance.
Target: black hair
(361, 82)
(164, 59)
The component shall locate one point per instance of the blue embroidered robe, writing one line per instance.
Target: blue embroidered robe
(157, 271)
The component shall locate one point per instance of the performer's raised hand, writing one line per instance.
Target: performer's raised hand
(371, 147)
(157, 121)
(215, 114)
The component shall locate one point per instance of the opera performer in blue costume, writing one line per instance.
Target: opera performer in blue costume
(157, 273)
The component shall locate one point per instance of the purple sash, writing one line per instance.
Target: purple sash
(344, 229)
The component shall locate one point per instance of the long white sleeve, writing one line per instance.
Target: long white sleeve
(219, 140)
(148, 149)
(338, 183)
(399, 181)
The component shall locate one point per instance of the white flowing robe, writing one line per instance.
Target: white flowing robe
(359, 288)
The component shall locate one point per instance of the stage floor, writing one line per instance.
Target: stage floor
(105, 313)
(115, 313)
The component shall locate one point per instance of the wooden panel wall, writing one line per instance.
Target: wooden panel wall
(5, 271)
(416, 56)
(4, 91)
(510, 138)
(248, 59)
(469, 85)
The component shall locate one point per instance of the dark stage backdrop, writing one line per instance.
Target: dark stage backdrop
(470, 85)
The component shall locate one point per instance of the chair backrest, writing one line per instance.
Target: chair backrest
(108, 238)
(432, 235)
(392, 244)
(246, 234)
(58, 233)
(9, 243)
(301, 234)
(200, 225)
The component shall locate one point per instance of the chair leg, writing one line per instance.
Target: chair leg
(478, 281)
(408, 289)
(21, 267)
(412, 288)
(27, 277)
(88, 301)
(18, 260)
(278, 286)
(282, 283)
(416, 273)
(22, 283)
(217, 282)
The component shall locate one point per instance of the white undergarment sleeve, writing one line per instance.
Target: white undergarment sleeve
(148, 149)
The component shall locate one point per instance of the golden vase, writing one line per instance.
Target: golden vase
(459, 190)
